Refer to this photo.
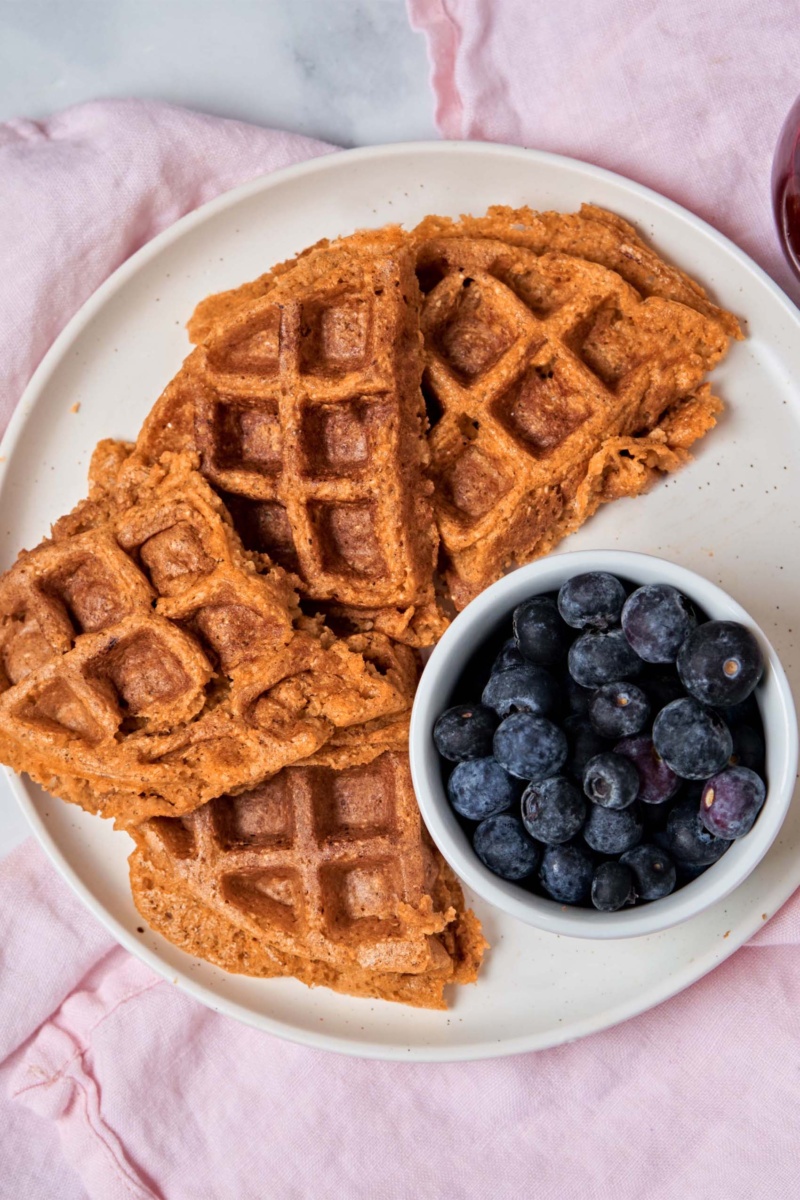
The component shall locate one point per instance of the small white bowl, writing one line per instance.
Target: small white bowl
(482, 619)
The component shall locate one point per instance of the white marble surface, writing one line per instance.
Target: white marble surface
(348, 71)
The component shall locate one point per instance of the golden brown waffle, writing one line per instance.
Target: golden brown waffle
(305, 408)
(147, 666)
(320, 873)
(564, 367)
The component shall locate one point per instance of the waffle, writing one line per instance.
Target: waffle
(305, 408)
(147, 666)
(321, 873)
(564, 368)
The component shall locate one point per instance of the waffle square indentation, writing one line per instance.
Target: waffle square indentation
(475, 483)
(261, 817)
(339, 439)
(540, 410)
(234, 631)
(349, 537)
(362, 894)
(177, 834)
(269, 897)
(58, 707)
(264, 526)
(354, 804)
(25, 650)
(248, 438)
(175, 556)
(473, 336)
(335, 335)
(89, 595)
(607, 343)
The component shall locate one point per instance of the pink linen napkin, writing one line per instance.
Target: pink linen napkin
(85, 188)
(114, 1084)
(153, 1095)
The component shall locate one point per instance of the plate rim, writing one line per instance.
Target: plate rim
(641, 1001)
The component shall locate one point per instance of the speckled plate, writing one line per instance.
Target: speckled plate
(731, 515)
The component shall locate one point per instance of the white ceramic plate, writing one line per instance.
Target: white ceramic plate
(731, 515)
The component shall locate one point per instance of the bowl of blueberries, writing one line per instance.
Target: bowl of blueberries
(603, 744)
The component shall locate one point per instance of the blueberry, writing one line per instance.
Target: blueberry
(657, 783)
(693, 741)
(577, 697)
(618, 710)
(509, 656)
(688, 841)
(504, 847)
(748, 748)
(611, 830)
(598, 658)
(480, 788)
(653, 871)
(611, 780)
(591, 601)
(566, 874)
(657, 620)
(720, 663)
(530, 747)
(465, 731)
(539, 631)
(661, 688)
(553, 810)
(520, 689)
(583, 742)
(731, 801)
(612, 887)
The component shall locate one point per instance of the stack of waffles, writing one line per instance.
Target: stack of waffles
(219, 647)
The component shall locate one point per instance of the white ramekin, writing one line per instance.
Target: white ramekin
(483, 618)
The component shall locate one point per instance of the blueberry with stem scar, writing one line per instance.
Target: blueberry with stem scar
(731, 801)
(720, 663)
(618, 710)
(611, 780)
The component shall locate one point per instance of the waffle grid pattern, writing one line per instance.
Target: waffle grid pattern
(321, 863)
(533, 363)
(302, 420)
(146, 656)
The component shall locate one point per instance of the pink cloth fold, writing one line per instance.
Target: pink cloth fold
(115, 1084)
(687, 98)
(128, 1090)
